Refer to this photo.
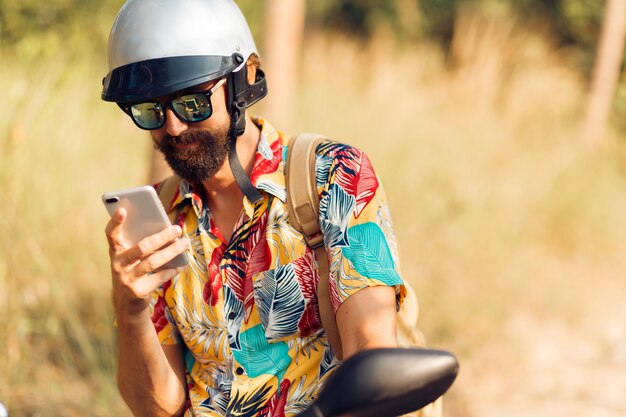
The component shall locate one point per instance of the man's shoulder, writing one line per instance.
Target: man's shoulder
(340, 154)
(330, 147)
(168, 190)
(334, 148)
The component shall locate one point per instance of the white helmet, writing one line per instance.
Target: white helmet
(157, 47)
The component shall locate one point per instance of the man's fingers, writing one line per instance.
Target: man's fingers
(150, 282)
(113, 229)
(151, 244)
(159, 258)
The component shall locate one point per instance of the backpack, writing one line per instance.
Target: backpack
(303, 207)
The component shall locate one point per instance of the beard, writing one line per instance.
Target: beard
(201, 162)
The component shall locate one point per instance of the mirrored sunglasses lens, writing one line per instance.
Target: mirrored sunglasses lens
(148, 115)
(193, 107)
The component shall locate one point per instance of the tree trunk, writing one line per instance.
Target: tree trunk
(409, 16)
(606, 70)
(284, 28)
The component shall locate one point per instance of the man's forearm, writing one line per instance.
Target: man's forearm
(148, 381)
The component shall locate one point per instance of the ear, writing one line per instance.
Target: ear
(253, 65)
(251, 73)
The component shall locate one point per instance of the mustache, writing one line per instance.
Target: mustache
(187, 137)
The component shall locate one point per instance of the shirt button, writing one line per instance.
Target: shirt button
(239, 370)
(232, 315)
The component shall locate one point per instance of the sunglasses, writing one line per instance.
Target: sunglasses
(191, 108)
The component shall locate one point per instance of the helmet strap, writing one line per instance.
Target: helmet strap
(241, 177)
(240, 96)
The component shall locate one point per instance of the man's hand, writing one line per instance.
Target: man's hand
(151, 377)
(134, 268)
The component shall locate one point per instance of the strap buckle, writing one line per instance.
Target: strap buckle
(315, 241)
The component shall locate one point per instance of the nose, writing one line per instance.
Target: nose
(173, 125)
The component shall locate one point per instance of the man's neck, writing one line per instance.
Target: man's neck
(222, 193)
(223, 184)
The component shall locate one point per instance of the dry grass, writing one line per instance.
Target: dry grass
(506, 220)
(61, 148)
(504, 216)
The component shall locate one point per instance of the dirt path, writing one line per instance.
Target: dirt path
(554, 369)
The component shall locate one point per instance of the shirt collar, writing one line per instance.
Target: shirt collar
(268, 172)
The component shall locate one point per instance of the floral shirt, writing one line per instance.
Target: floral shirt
(247, 309)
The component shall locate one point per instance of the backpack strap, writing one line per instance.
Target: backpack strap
(167, 190)
(303, 208)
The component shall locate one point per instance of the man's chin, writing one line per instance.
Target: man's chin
(192, 177)
(180, 156)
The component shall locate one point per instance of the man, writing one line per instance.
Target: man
(238, 330)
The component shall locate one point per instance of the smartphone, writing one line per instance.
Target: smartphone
(145, 216)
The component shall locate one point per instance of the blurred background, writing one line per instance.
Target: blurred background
(497, 127)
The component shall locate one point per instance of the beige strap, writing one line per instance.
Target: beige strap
(303, 208)
(167, 190)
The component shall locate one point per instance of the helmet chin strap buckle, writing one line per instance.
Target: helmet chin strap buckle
(239, 116)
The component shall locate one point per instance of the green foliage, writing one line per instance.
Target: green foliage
(572, 21)
(27, 17)
(350, 15)
(580, 20)
(254, 12)
(438, 17)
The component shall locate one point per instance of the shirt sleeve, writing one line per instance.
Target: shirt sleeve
(162, 318)
(356, 223)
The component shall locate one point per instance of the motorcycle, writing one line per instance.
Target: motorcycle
(385, 382)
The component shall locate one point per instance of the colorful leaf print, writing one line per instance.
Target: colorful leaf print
(159, 309)
(279, 301)
(302, 394)
(219, 394)
(276, 405)
(248, 404)
(334, 280)
(370, 254)
(335, 210)
(366, 185)
(383, 219)
(214, 283)
(264, 165)
(347, 163)
(245, 239)
(258, 262)
(307, 275)
(233, 308)
(308, 278)
(354, 173)
(158, 316)
(328, 362)
(322, 170)
(259, 357)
